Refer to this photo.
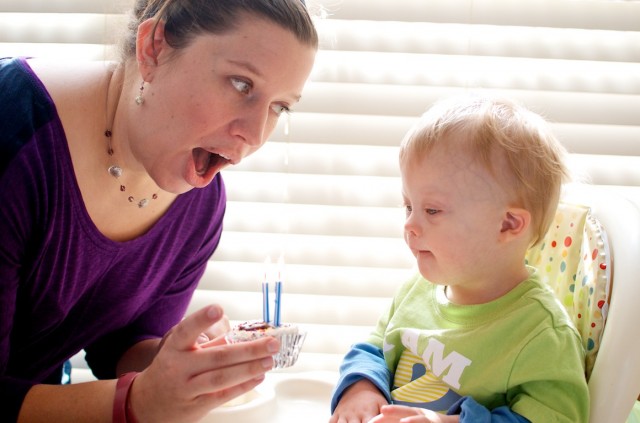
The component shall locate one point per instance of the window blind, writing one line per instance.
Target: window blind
(324, 192)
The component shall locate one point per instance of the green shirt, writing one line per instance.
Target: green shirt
(520, 350)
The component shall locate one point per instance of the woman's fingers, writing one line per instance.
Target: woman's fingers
(219, 328)
(222, 366)
(185, 334)
(224, 378)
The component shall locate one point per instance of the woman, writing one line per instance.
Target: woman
(103, 237)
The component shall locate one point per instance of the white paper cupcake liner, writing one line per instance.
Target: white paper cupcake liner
(290, 344)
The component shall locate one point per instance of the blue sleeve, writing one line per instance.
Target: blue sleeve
(472, 412)
(363, 361)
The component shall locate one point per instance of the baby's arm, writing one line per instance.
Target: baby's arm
(363, 386)
(359, 403)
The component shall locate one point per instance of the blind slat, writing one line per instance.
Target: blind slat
(412, 100)
(315, 249)
(477, 71)
(362, 191)
(317, 158)
(309, 279)
(312, 219)
(480, 40)
(65, 6)
(388, 131)
(589, 14)
(60, 28)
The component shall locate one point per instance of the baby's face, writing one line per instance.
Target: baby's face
(454, 213)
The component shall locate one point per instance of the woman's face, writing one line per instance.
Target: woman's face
(215, 102)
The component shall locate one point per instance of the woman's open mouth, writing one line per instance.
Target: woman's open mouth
(205, 161)
(206, 165)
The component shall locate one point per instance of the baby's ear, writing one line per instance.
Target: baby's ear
(515, 223)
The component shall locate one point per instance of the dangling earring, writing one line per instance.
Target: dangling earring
(140, 98)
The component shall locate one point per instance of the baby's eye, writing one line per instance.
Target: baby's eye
(431, 211)
(280, 109)
(241, 85)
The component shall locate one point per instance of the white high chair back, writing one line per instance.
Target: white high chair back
(591, 258)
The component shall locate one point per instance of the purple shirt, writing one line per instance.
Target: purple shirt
(63, 285)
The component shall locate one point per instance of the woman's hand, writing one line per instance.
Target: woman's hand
(359, 403)
(187, 378)
(219, 328)
(404, 414)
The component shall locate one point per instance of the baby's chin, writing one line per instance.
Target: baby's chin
(429, 274)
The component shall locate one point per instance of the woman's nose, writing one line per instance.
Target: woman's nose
(252, 126)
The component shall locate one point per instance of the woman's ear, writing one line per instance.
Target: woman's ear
(515, 223)
(150, 44)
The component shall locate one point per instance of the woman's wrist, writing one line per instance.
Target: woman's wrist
(122, 412)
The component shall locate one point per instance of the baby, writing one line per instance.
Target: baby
(475, 334)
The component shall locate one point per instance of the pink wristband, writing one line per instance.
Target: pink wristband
(121, 409)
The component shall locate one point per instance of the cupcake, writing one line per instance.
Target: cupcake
(291, 339)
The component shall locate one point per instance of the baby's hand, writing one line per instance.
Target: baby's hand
(404, 414)
(359, 403)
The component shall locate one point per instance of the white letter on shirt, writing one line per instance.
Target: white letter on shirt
(455, 362)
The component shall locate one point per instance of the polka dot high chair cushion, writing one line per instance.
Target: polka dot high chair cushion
(574, 260)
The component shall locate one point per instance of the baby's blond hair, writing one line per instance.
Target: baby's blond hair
(499, 129)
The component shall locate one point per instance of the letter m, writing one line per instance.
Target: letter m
(455, 362)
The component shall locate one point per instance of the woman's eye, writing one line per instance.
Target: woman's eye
(241, 85)
(280, 109)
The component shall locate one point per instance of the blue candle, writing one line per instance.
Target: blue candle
(265, 302)
(276, 318)
(266, 315)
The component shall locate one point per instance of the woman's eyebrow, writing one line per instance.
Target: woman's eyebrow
(248, 66)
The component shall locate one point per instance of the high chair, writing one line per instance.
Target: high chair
(591, 258)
